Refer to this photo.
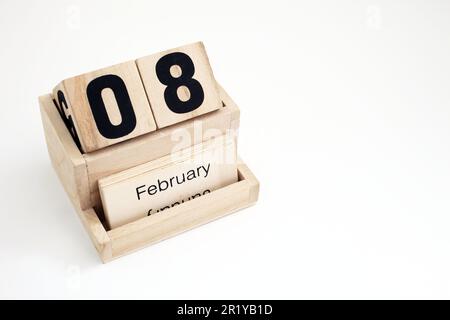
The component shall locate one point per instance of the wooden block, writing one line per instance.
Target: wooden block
(105, 106)
(169, 181)
(179, 83)
(62, 105)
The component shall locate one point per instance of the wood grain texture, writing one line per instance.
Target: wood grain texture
(155, 89)
(74, 90)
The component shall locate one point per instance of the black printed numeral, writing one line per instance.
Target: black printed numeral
(173, 83)
(104, 125)
(61, 105)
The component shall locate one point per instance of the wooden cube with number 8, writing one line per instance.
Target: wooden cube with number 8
(104, 107)
(179, 83)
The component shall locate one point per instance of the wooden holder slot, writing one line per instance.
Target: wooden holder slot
(79, 174)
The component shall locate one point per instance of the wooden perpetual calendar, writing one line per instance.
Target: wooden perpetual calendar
(147, 149)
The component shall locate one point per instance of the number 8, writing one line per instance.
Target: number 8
(173, 83)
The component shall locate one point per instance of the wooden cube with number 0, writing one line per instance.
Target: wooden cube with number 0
(104, 107)
(179, 83)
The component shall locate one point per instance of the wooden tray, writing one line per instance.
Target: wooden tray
(79, 174)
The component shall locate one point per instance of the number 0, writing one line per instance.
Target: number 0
(104, 125)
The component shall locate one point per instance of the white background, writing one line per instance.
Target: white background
(345, 119)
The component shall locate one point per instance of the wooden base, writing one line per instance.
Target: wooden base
(149, 230)
(79, 174)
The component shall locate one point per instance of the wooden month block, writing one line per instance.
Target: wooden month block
(169, 181)
(179, 83)
(104, 107)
